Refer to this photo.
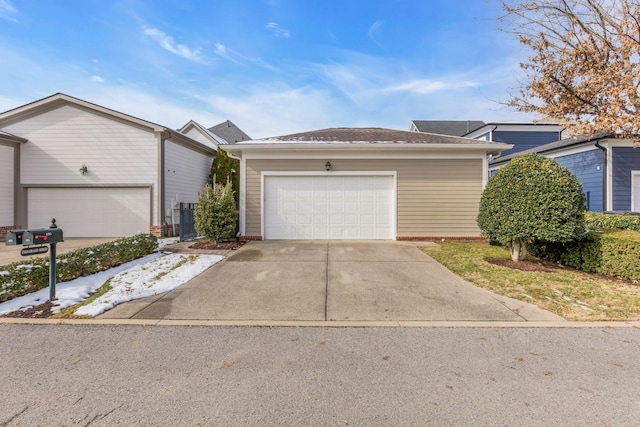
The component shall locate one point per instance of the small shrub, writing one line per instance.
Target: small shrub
(602, 221)
(615, 253)
(21, 278)
(216, 215)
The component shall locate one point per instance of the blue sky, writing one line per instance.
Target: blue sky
(273, 67)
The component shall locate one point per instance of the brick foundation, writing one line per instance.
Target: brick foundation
(247, 238)
(157, 230)
(4, 229)
(439, 239)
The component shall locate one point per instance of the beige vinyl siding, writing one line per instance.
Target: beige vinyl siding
(63, 138)
(6, 185)
(186, 172)
(435, 197)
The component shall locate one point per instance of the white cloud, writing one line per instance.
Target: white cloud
(167, 43)
(373, 31)
(97, 79)
(277, 30)
(426, 86)
(8, 11)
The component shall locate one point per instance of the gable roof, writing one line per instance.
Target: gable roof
(61, 98)
(361, 138)
(216, 139)
(550, 147)
(371, 135)
(228, 131)
(447, 127)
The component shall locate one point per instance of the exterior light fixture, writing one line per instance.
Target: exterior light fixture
(327, 165)
(84, 170)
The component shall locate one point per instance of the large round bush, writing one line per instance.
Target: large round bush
(532, 198)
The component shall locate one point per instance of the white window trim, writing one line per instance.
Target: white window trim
(394, 190)
(634, 174)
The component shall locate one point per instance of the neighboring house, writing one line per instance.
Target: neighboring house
(201, 134)
(369, 183)
(99, 172)
(446, 127)
(229, 132)
(608, 168)
(522, 136)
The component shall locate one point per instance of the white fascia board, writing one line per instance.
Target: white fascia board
(571, 150)
(516, 127)
(364, 150)
(612, 142)
(363, 155)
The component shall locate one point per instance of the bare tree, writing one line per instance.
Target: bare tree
(585, 65)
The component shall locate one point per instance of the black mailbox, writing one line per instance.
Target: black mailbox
(42, 236)
(13, 237)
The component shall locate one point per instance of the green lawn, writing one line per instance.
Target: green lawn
(572, 294)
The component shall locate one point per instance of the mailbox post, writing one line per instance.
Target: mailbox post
(41, 236)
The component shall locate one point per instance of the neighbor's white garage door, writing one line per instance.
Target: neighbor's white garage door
(328, 207)
(91, 212)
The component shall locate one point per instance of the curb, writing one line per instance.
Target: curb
(324, 324)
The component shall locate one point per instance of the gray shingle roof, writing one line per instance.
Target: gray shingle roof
(228, 131)
(448, 127)
(373, 135)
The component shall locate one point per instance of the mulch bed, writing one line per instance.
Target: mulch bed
(525, 265)
(209, 245)
(41, 311)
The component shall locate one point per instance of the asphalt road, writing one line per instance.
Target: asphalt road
(164, 375)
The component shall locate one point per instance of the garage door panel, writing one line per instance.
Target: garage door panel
(333, 207)
(91, 212)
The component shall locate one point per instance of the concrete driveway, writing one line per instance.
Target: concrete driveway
(329, 281)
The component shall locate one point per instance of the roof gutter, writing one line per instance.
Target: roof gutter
(604, 175)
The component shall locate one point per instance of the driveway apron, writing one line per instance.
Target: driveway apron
(324, 281)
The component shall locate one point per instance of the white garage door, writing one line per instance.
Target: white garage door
(91, 212)
(328, 207)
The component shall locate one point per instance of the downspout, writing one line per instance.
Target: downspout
(604, 175)
(491, 133)
(162, 178)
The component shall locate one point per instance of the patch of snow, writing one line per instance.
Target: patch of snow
(167, 241)
(71, 292)
(155, 277)
(527, 296)
(4, 273)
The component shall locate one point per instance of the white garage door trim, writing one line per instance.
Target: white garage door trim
(393, 198)
(91, 211)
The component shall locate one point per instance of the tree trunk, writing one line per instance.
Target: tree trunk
(518, 250)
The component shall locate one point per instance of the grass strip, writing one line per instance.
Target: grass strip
(572, 294)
